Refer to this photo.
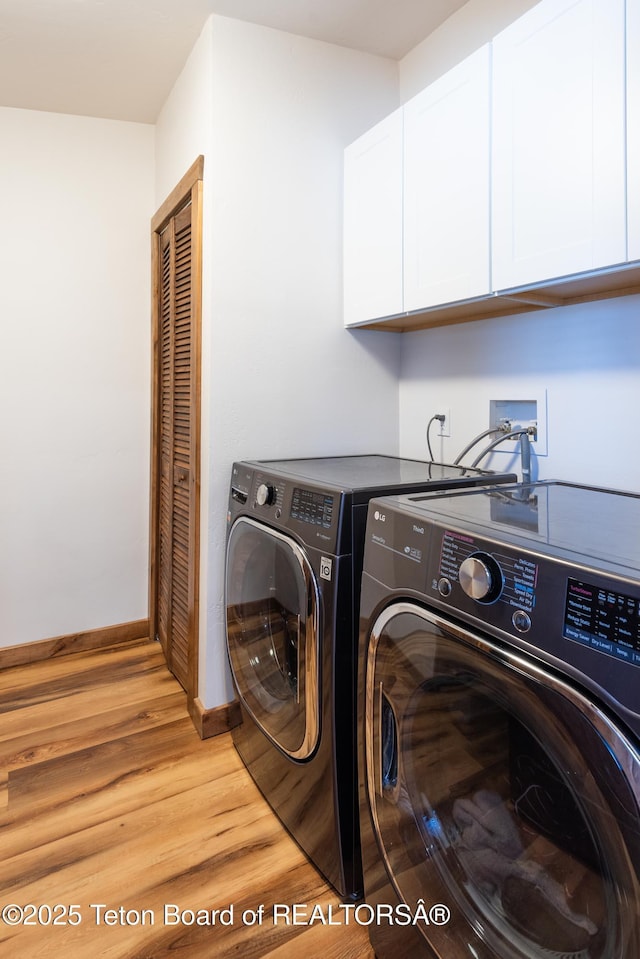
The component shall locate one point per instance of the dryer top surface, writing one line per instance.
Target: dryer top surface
(374, 472)
(579, 523)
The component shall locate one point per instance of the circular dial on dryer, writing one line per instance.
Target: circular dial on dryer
(265, 494)
(481, 577)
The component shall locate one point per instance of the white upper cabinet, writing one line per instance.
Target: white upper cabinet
(373, 223)
(558, 181)
(633, 127)
(447, 187)
(512, 181)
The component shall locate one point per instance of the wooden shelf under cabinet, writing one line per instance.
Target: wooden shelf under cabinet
(621, 280)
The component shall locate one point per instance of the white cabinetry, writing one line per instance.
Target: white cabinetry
(633, 127)
(417, 200)
(373, 223)
(559, 142)
(511, 183)
(447, 187)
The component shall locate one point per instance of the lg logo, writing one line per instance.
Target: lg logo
(381, 517)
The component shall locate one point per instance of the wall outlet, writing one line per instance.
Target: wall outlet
(444, 429)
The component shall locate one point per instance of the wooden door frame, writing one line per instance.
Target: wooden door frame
(189, 188)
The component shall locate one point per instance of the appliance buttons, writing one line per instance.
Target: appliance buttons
(444, 586)
(521, 621)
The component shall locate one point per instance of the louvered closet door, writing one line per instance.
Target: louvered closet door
(176, 485)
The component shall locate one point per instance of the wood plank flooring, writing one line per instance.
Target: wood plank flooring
(113, 809)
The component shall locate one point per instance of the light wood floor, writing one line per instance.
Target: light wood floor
(109, 800)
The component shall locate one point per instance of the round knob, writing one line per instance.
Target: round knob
(481, 577)
(264, 494)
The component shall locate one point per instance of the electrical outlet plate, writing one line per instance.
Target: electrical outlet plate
(521, 414)
(444, 429)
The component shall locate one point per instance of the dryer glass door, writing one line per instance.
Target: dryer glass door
(501, 792)
(272, 611)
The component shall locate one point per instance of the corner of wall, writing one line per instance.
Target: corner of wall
(465, 31)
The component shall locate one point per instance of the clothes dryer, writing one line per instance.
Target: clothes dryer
(499, 723)
(294, 559)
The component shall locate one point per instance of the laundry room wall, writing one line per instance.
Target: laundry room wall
(584, 361)
(473, 25)
(281, 376)
(76, 195)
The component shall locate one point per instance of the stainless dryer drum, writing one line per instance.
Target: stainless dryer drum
(272, 632)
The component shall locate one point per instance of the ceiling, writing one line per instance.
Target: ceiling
(118, 59)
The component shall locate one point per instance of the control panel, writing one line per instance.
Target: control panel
(315, 508)
(583, 621)
(313, 513)
(489, 576)
(603, 619)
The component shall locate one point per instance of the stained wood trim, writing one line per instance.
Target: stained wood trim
(73, 643)
(189, 189)
(177, 196)
(196, 416)
(212, 722)
(611, 282)
(156, 259)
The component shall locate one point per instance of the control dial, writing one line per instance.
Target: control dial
(265, 494)
(481, 577)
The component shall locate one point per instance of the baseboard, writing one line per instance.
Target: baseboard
(73, 643)
(212, 722)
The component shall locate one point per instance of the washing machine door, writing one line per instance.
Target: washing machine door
(272, 608)
(500, 792)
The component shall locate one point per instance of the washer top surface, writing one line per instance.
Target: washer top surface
(580, 523)
(370, 472)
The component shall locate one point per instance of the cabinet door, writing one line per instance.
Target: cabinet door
(633, 128)
(174, 553)
(446, 187)
(373, 223)
(558, 142)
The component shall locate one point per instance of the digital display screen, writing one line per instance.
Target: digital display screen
(310, 507)
(604, 620)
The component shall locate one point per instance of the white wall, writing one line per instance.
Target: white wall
(282, 378)
(473, 25)
(184, 131)
(586, 359)
(76, 196)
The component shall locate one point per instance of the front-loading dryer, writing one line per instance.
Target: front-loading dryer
(294, 558)
(499, 724)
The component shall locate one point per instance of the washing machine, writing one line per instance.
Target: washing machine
(499, 724)
(293, 565)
